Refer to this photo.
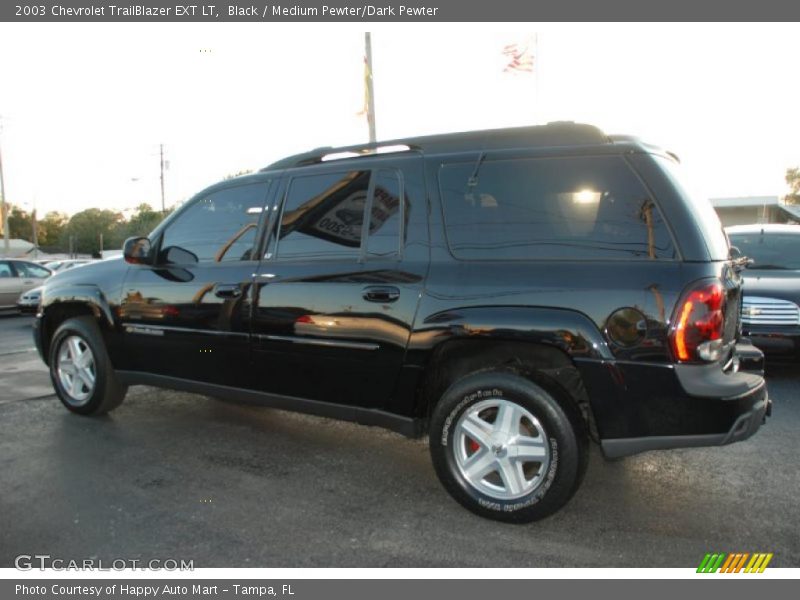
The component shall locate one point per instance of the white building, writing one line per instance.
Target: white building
(16, 248)
(745, 210)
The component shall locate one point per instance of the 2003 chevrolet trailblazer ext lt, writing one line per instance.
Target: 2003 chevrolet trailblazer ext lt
(514, 294)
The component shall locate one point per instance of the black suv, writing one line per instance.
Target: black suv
(771, 303)
(514, 294)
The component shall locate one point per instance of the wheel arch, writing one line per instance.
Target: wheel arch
(67, 302)
(537, 343)
(546, 366)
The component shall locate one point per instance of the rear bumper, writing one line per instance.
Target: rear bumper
(745, 425)
(639, 407)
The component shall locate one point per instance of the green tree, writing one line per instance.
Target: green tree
(51, 230)
(140, 223)
(88, 225)
(20, 224)
(793, 179)
(143, 221)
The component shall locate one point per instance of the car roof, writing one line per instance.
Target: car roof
(558, 134)
(763, 228)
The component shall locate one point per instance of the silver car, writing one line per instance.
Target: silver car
(17, 277)
(56, 266)
(28, 302)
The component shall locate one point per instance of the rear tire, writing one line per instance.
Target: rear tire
(507, 449)
(81, 371)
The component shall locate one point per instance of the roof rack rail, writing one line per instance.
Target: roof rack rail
(617, 138)
(561, 133)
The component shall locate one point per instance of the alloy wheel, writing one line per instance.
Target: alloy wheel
(501, 449)
(76, 370)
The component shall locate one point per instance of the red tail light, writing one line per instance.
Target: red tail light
(699, 322)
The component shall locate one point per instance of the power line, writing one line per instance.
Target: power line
(161, 153)
(370, 90)
(3, 208)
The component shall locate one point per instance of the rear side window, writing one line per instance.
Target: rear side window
(551, 208)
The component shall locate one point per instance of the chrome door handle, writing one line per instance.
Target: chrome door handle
(381, 293)
(227, 290)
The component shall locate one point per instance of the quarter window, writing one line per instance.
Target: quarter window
(553, 208)
(220, 227)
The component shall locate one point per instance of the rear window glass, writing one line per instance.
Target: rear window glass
(703, 212)
(553, 208)
(769, 250)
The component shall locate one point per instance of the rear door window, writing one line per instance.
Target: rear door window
(551, 208)
(323, 216)
(341, 215)
(386, 219)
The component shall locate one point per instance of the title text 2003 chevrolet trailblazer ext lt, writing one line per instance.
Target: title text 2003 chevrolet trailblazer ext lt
(511, 293)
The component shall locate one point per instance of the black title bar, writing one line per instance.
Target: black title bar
(415, 11)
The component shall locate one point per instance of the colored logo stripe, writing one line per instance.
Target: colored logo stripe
(735, 562)
(758, 563)
(710, 563)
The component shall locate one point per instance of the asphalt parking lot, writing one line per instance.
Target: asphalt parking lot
(174, 475)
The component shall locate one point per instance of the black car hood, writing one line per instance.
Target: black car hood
(784, 285)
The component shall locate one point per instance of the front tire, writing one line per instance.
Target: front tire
(81, 371)
(506, 448)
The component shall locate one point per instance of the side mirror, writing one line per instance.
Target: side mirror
(136, 250)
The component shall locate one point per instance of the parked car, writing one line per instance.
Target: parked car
(771, 302)
(513, 294)
(28, 302)
(17, 277)
(62, 265)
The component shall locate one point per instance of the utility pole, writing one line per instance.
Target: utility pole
(3, 208)
(369, 88)
(163, 206)
(35, 232)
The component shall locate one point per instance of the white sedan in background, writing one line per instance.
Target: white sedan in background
(28, 302)
(62, 265)
(19, 276)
